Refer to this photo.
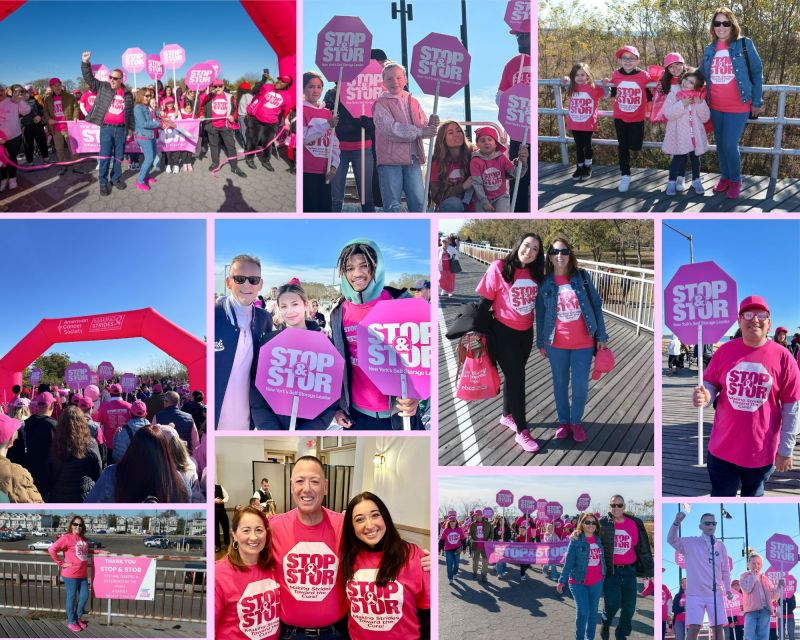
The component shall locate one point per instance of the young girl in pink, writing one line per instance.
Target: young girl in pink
(490, 168)
(583, 97)
(319, 126)
(685, 139)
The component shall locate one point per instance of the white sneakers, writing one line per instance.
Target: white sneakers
(12, 183)
(624, 184)
(680, 184)
(697, 185)
(3, 185)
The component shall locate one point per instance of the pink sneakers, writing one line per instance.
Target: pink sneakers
(508, 421)
(722, 185)
(74, 627)
(578, 434)
(142, 187)
(524, 440)
(563, 431)
(82, 624)
(150, 180)
(734, 190)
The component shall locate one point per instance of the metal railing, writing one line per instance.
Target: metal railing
(32, 585)
(627, 292)
(779, 122)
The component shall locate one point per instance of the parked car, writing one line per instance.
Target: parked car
(158, 543)
(40, 545)
(189, 543)
(38, 533)
(94, 544)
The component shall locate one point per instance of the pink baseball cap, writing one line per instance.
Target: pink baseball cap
(54, 81)
(672, 58)
(492, 133)
(85, 404)
(218, 83)
(115, 388)
(628, 48)
(753, 302)
(8, 427)
(75, 399)
(478, 512)
(138, 409)
(45, 398)
(22, 402)
(603, 363)
(156, 388)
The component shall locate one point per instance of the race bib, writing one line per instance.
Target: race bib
(259, 609)
(747, 386)
(722, 68)
(372, 607)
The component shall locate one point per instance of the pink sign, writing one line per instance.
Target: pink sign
(518, 15)
(776, 573)
(173, 55)
(527, 552)
(440, 60)
(105, 370)
(100, 71)
(680, 559)
(133, 60)
(301, 365)
(36, 376)
(215, 66)
(733, 607)
(128, 382)
(541, 505)
(76, 375)
(343, 46)
(84, 137)
(700, 294)
(515, 111)
(781, 551)
(527, 504)
(583, 502)
(488, 513)
(554, 510)
(154, 66)
(790, 585)
(93, 378)
(182, 138)
(504, 498)
(396, 338)
(124, 578)
(199, 76)
(361, 92)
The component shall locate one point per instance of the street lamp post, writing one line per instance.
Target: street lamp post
(403, 11)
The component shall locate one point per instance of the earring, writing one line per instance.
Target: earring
(236, 545)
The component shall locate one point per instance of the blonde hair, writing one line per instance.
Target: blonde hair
(391, 64)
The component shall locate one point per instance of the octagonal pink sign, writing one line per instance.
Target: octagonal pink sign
(133, 60)
(442, 59)
(363, 90)
(541, 505)
(680, 559)
(781, 551)
(700, 294)
(94, 379)
(343, 45)
(36, 376)
(554, 510)
(105, 370)
(300, 364)
(515, 111)
(76, 375)
(128, 382)
(527, 504)
(100, 71)
(173, 55)
(154, 67)
(583, 502)
(504, 498)
(488, 513)
(199, 76)
(518, 15)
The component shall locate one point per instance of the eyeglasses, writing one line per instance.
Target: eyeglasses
(761, 315)
(710, 523)
(617, 505)
(243, 279)
(554, 252)
(628, 59)
(723, 23)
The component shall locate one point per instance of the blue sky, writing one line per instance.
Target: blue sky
(564, 489)
(762, 521)
(60, 268)
(490, 44)
(62, 30)
(762, 256)
(308, 249)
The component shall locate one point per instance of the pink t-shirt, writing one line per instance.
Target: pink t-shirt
(113, 415)
(58, 114)
(666, 596)
(86, 103)
(583, 101)
(116, 112)
(516, 71)
(308, 569)
(363, 392)
(315, 152)
(480, 535)
(558, 528)
(513, 303)
(525, 533)
(571, 331)
(76, 554)
(594, 570)
(626, 535)
(247, 605)
(452, 538)
(389, 611)
(754, 383)
(220, 110)
(630, 104)
(723, 86)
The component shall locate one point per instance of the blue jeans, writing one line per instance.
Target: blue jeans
(291, 633)
(726, 478)
(756, 625)
(619, 594)
(550, 570)
(587, 599)
(148, 148)
(79, 586)
(500, 567)
(337, 187)
(451, 557)
(728, 130)
(562, 363)
(112, 148)
(397, 179)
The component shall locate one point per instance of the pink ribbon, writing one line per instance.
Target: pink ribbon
(249, 153)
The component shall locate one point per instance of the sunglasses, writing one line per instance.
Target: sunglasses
(76, 524)
(723, 23)
(617, 505)
(115, 77)
(555, 252)
(710, 523)
(591, 522)
(761, 315)
(243, 279)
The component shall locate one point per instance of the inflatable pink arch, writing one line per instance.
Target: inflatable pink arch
(140, 323)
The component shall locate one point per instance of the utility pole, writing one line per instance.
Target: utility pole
(403, 11)
(467, 104)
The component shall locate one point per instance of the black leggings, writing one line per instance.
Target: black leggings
(631, 137)
(35, 134)
(12, 147)
(512, 349)
(221, 518)
(678, 165)
(583, 145)
(316, 192)
(258, 135)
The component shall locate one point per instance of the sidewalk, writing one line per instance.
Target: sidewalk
(41, 625)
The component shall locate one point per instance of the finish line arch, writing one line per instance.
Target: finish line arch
(139, 323)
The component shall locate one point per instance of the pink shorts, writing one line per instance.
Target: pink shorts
(697, 607)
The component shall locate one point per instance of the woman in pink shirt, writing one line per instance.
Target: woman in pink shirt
(447, 279)
(74, 570)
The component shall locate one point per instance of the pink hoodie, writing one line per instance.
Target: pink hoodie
(76, 554)
(398, 123)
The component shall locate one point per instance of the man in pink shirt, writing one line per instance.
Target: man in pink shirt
(756, 384)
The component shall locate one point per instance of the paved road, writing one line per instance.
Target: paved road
(195, 192)
(511, 608)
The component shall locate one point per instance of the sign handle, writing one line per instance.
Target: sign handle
(134, 82)
(174, 83)
(700, 383)
(335, 111)
(404, 394)
(293, 419)
(518, 171)
(108, 613)
(363, 162)
(430, 150)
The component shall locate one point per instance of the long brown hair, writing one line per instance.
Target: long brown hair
(735, 28)
(442, 153)
(579, 527)
(572, 266)
(147, 471)
(579, 66)
(71, 437)
(511, 262)
(265, 559)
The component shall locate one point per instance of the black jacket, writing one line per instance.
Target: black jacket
(349, 127)
(105, 96)
(644, 556)
(73, 479)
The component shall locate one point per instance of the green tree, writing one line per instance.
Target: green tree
(52, 366)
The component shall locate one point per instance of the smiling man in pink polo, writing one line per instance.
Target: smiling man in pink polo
(756, 383)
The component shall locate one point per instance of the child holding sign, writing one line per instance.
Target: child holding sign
(318, 134)
(400, 126)
(489, 169)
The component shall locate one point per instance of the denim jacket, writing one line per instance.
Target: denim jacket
(145, 125)
(547, 302)
(748, 90)
(577, 560)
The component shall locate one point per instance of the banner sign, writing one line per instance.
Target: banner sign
(527, 552)
(84, 137)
